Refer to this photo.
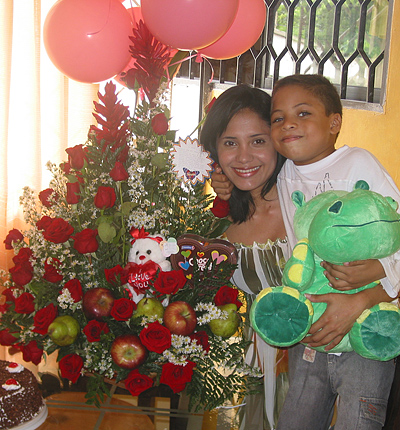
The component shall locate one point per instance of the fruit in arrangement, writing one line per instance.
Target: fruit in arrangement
(64, 330)
(97, 303)
(149, 307)
(226, 327)
(180, 318)
(128, 352)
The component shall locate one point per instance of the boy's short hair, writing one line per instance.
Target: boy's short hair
(319, 86)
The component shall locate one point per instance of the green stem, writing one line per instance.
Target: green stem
(122, 221)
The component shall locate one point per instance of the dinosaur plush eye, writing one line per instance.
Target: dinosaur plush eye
(335, 208)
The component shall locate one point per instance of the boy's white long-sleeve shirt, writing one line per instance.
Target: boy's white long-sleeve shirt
(339, 171)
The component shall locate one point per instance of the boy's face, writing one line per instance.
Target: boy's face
(301, 130)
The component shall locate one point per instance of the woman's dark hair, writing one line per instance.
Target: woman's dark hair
(227, 105)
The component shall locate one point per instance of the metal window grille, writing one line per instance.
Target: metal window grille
(345, 40)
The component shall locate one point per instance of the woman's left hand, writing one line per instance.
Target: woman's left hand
(353, 275)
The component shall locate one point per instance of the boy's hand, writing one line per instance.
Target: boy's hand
(353, 275)
(337, 320)
(222, 185)
(341, 313)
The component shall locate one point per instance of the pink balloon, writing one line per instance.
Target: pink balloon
(242, 34)
(136, 15)
(188, 24)
(88, 40)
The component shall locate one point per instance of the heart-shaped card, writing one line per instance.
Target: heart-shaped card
(193, 247)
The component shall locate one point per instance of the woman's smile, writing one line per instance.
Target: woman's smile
(246, 172)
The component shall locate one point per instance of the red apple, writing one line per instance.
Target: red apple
(97, 303)
(128, 352)
(180, 318)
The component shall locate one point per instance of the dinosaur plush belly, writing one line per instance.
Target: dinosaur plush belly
(337, 224)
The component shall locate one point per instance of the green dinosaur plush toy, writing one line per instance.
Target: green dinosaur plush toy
(337, 226)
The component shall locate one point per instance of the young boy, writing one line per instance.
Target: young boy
(306, 118)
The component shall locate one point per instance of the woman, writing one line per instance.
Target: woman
(236, 132)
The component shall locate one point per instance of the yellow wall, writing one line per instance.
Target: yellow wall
(379, 132)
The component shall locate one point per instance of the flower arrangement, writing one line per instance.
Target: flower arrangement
(75, 287)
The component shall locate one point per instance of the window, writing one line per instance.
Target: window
(345, 40)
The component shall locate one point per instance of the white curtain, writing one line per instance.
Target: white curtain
(42, 112)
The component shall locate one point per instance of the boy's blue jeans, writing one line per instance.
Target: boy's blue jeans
(362, 385)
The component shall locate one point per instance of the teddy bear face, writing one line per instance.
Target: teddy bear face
(144, 250)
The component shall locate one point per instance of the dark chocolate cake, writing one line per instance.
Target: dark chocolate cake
(20, 397)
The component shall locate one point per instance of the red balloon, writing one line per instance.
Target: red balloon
(188, 24)
(242, 34)
(88, 40)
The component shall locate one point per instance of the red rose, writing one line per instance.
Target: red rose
(66, 168)
(23, 257)
(85, 241)
(220, 208)
(123, 309)
(155, 337)
(44, 222)
(75, 289)
(57, 230)
(9, 293)
(227, 295)
(176, 376)
(119, 173)
(32, 352)
(159, 124)
(22, 274)
(6, 338)
(48, 197)
(71, 366)
(105, 197)
(51, 273)
(24, 304)
(43, 318)
(76, 156)
(170, 282)
(13, 235)
(136, 383)
(201, 338)
(138, 276)
(113, 273)
(73, 193)
(93, 330)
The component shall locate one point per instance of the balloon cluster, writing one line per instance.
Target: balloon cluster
(88, 40)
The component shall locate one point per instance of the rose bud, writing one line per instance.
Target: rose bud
(159, 124)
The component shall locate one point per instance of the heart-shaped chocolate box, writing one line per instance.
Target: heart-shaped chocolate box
(192, 246)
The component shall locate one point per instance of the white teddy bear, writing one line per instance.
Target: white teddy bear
(149, 249)
(145, 257)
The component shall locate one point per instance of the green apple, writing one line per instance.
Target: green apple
(149, 307)
(226, 327)
(64, 330)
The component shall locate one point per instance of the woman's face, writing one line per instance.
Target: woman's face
(245, 151)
